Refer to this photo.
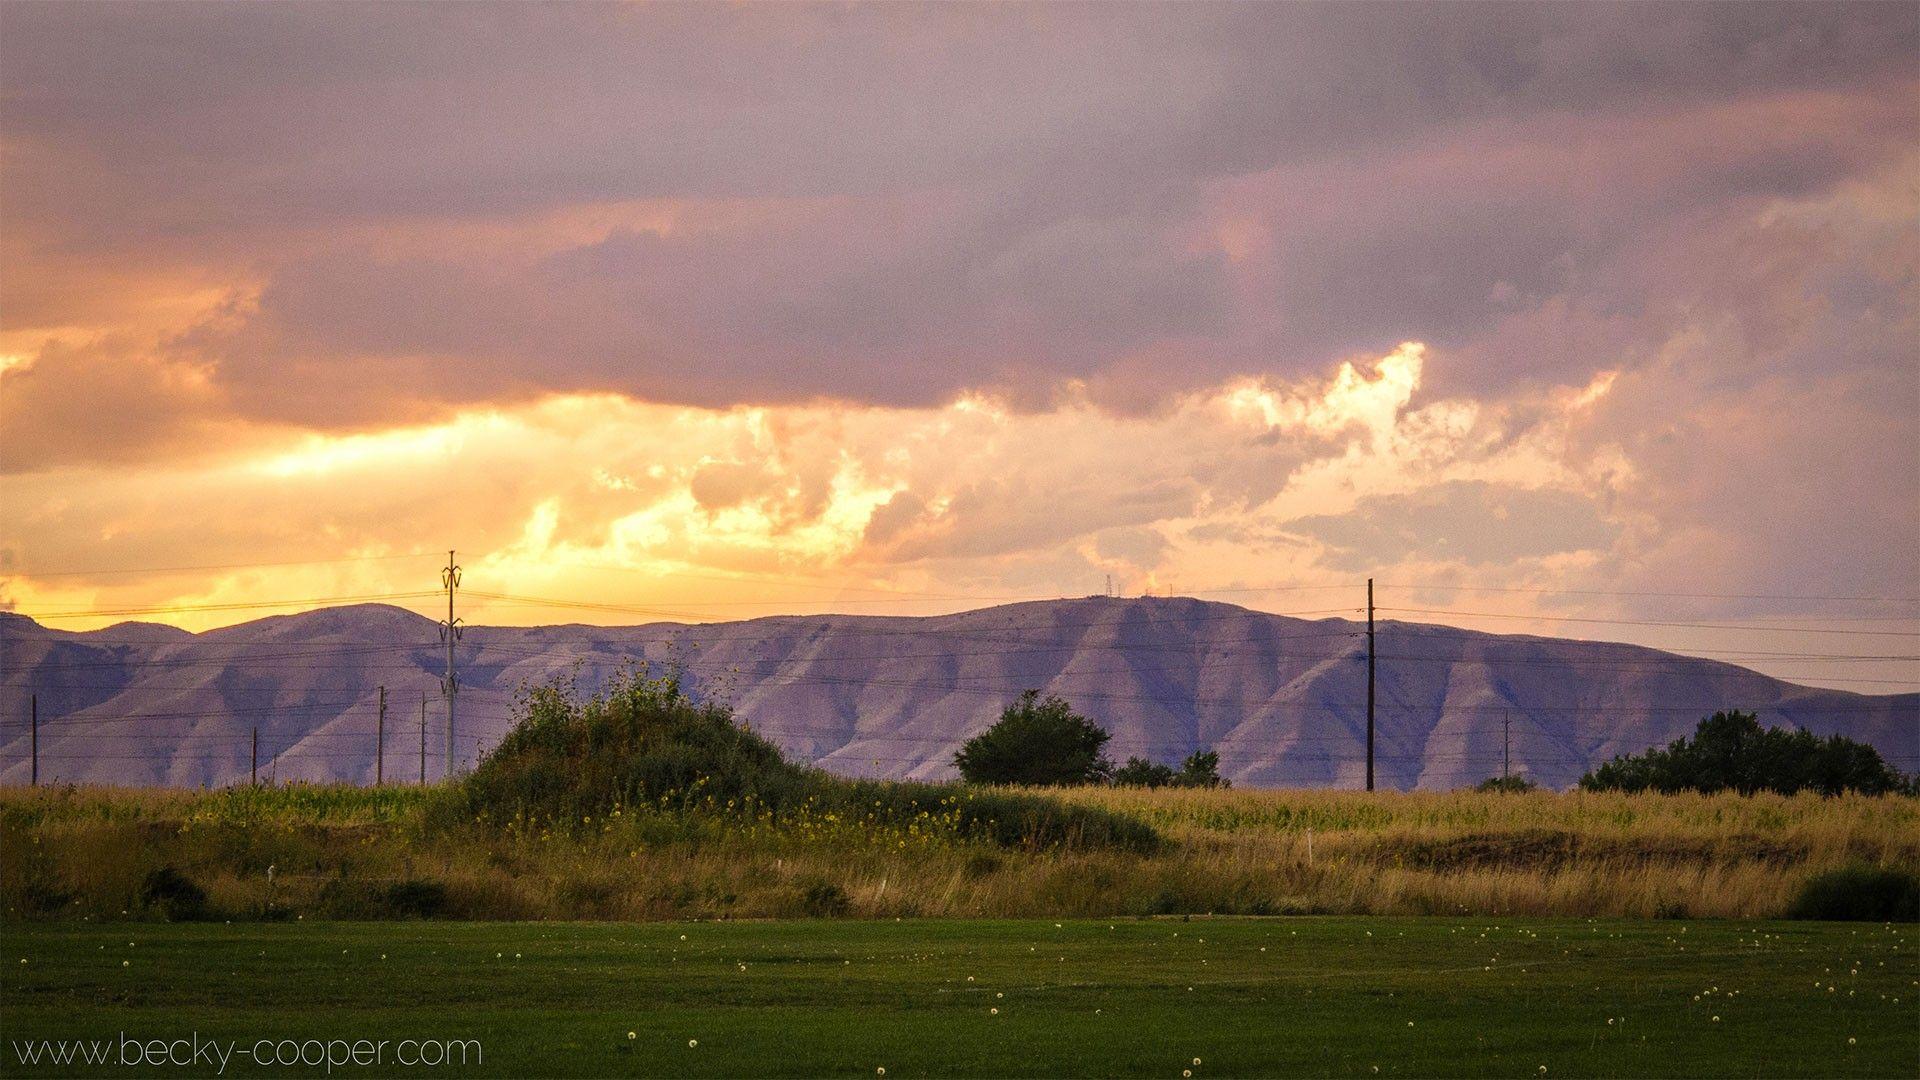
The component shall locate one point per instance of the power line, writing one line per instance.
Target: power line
(101, 572)
(1650, 622)
(1669, 595)
(627, 609)
(231, 606)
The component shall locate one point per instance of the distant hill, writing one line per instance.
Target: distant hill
(1282, 699)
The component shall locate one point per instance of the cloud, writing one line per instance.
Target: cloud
(821, 488)
(972, 492)
(106, 401)
(366, 219)
(1466, 522)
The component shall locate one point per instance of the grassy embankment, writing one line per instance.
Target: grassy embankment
(644, 806)
(1358, 997)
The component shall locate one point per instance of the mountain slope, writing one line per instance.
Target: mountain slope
(1282, 699)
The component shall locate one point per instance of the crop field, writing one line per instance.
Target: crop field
(1151, 997)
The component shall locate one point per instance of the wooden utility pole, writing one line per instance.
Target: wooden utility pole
(1369, 684)
(380, 743)
(1506, 745)
(423, 738)
(253, 771)
(450, 632)
(33, 711)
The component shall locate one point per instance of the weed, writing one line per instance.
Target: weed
(825, 900)
(174, 895)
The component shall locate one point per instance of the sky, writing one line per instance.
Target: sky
(1567, 319)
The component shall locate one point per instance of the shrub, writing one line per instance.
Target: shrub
(39, 897)
(1509, 784)
(982, 864)
(1200, 770)
(174, 895)
(1730, 750)
(1859, 893)
(825, 900)
(1017, 819)
(641, 743)
(1036, 742)
(416, 899)
(1139, 772)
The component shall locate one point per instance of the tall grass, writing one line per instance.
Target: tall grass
(1807, 817)
(344, 852)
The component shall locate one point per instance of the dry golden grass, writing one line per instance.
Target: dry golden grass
(341, 852)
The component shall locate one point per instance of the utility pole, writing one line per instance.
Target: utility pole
(1369, 684)
(380, 743)
(33, 711)
(1506, 745)
(253, 771)
(423, 738)
(450, 633)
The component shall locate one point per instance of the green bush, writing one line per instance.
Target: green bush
(415, 899)
(982, 864)
(1036, 742)
(1507, 784)
(174, 895)
(1200, 770)
(1859, 894)
(642, 743)
(825, 900)
(1139, 772)
(1019, 820)
(349, 898)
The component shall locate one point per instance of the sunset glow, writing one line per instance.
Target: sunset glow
(709, 345)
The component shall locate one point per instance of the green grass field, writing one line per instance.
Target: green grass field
(1321, 996)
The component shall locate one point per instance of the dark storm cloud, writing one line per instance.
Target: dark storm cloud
(949, 196)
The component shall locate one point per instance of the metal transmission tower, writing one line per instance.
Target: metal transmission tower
(450, 633)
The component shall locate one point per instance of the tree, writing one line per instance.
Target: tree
(1139, 772)
(1201, 769)
(1515, 784)
(1041, 742)
(1730, 750)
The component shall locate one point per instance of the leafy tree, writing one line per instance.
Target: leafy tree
(1506, 783)
(1139, 772)
(1201, 769)
(1730, 750)
(1041, 742)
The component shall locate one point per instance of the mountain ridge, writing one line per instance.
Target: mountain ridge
(1280, 697)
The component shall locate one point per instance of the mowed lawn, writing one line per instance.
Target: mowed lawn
(1318, 996)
